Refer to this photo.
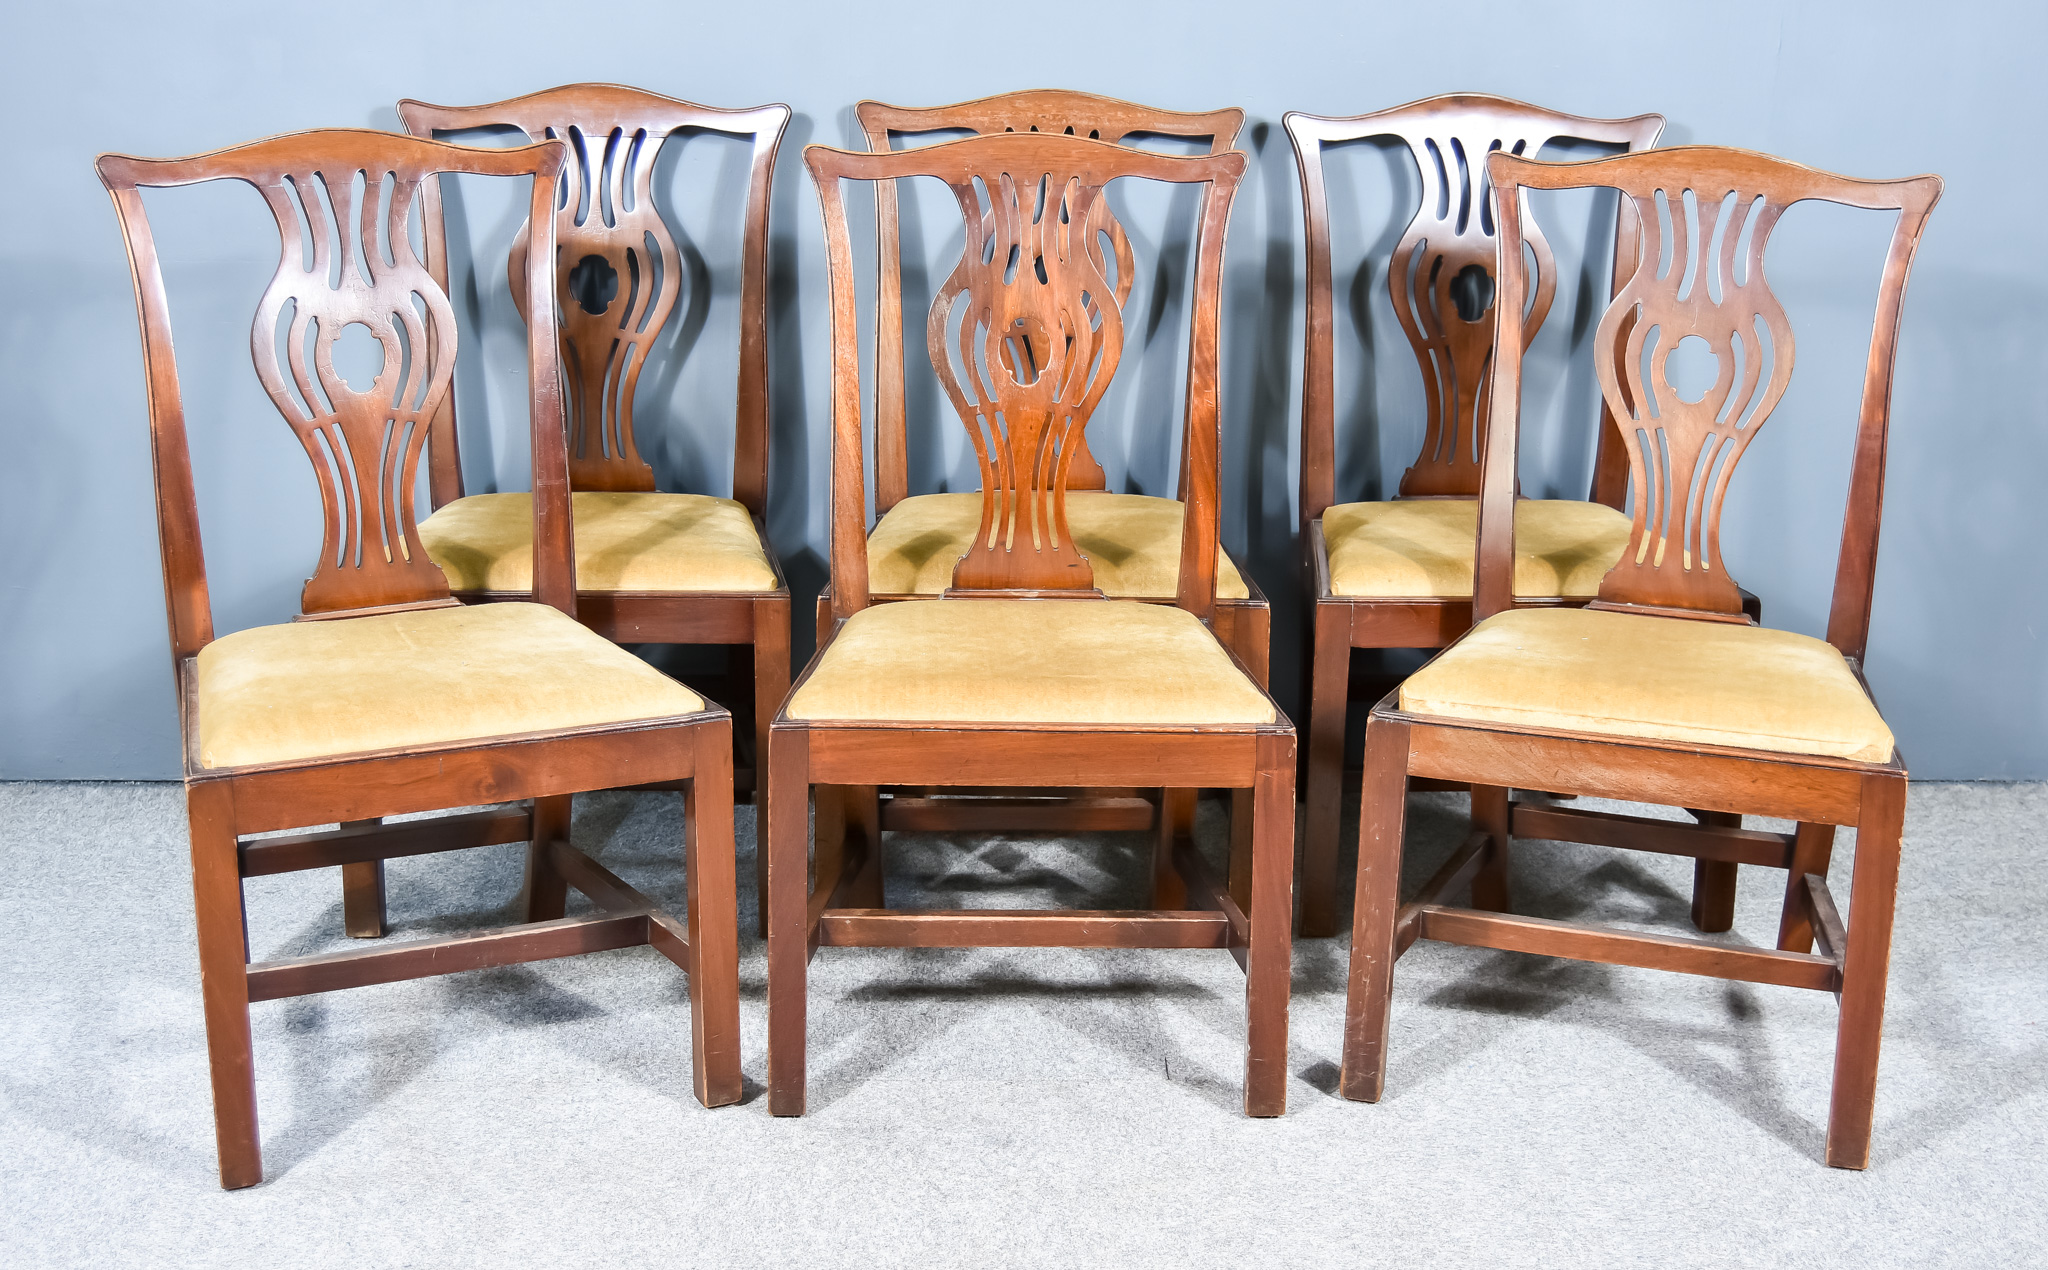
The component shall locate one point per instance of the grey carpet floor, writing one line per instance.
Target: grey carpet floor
(999, 1108)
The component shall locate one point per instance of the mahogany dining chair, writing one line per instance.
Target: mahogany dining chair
(1398, 573)
(385, 696)
(1663, 689)
(1021, 672)
(653, 567)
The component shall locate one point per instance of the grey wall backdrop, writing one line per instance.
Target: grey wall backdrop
(1870, 89)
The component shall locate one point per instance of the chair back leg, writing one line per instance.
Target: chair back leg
(1813, 848)
(1239, 862)
(1329, 670)
(547, 891)
(1176, 825)
(1713, 881)
(362, 891)
(1490, 815)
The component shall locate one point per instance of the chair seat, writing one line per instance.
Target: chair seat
(276, 694)
(624, 542)
(1657, 678)
(1422, 548)
(1132, 543)
(1028, 661)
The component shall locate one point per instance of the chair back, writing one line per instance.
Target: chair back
(1025, 337)
(1440, 277)
(618, 270)
(1047, 111)
(342, 199)
(1704, 218)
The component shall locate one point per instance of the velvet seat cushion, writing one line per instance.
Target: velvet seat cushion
(1132, 543)
(1658, 678)
(1028, 661)
(1423, 547)
(624, 542)
(275, 694)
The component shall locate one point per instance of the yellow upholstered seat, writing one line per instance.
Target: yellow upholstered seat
(274, 694)
(1028, 661)
(1132, 543)
(1423, 547)
(624, 542)
(1660, 678)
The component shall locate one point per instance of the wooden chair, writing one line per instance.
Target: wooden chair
(1398, 574)
(1133, 540)
(653, 568)
(1663, 689)
(385, 696)
(1021, 672)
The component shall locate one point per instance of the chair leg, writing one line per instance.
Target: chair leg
(849, 828)
(863, 813)
(1713, 881)
(362, 892)
(547, 891)
(1491, 812)
(771, 684)
(1239, 862)
(788, 924)
(1382, 819)
(1872, 897)
(1268, 961)
(712, 917)
(1813, 848)
(736, 689)
(1176, 823)
(1323, 783)
(224, 981)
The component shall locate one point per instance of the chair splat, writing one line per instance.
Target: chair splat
(344, 265)
(1030, 314)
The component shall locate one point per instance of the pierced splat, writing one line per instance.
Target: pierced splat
(619, 272)
(1046, 112)
(1700, 278)
(345, 265)
(1441, 276)
(619, 276)
(1038, 333)
(1442, 286)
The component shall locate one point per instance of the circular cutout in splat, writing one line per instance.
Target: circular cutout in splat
(1472, 292)
(1691, 368)
(357, 356)
(1025, 350)
(592, 284)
